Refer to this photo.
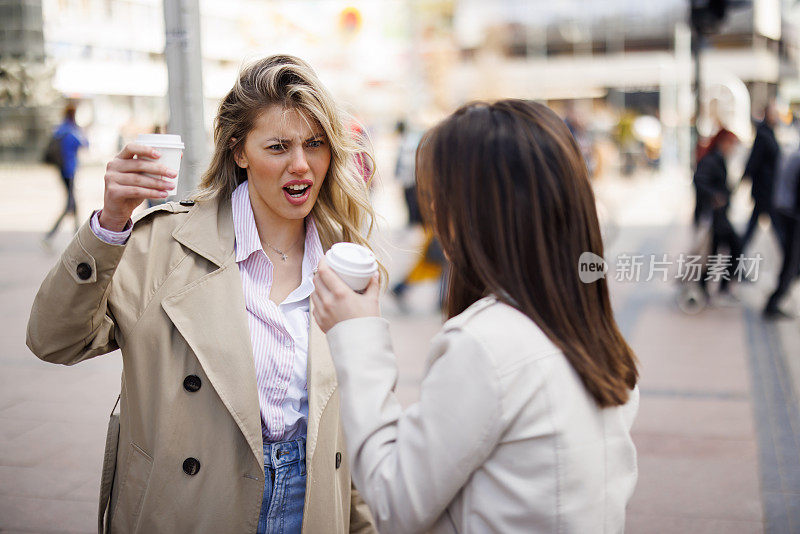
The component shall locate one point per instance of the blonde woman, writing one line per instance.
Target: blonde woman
(229, 415)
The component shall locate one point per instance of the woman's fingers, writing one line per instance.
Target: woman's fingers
(324, 295)
(373, 289)
(317, 306)
(333, 301)
(142, 151)
(127, 182)
(143, 166)
(137, 180)
(333, 283)
(320, 312)
(128, 192)
(319, 284)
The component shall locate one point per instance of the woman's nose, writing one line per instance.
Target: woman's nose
(298, 163)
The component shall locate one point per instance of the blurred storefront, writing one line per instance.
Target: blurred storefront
(27, 99)
(387, 60)
(108, 56)
(621, 57)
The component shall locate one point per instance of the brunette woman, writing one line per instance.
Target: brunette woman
(523, 423)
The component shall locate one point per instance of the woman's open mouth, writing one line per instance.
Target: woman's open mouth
(297, 192)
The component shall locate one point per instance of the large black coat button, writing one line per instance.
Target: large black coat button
(191, 466)
(192, 383)
(186, 202)
(338, 459)
(84, 271)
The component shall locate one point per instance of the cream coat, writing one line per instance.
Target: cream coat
(171, 299)
(504, 439)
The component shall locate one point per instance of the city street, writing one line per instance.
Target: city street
(718, 430)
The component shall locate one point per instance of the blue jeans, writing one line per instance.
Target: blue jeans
(284, 487)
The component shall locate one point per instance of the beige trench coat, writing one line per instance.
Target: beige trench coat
(171, 299)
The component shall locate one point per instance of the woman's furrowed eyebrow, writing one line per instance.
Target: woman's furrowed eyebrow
(288, 141)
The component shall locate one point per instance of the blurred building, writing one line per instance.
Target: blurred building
(627, 54)
(392, 59)
(27, 100)
(108, 55)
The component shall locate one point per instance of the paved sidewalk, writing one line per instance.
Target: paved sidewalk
(695, 431)
(718, 432)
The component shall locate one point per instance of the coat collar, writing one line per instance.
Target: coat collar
(208, 230)
(210, 314)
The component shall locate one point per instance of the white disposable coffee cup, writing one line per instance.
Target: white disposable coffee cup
(355, 264)
(171, 148)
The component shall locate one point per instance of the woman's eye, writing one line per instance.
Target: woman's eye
(316, 143)
(278, 147)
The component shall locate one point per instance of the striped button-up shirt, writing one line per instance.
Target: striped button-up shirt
(279, 332)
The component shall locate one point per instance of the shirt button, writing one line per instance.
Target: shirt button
(288, 342)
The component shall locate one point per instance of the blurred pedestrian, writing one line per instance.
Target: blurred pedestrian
(431, 263)
(523, 422)
(229, 401)
(787, 209)
(713, 201)
(70, 138)
(430, 266)
(404, 169)
(577, 127)
(627, 144)
(761, 168)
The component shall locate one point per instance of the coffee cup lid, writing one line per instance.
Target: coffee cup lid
(160, 140)
(351, 258)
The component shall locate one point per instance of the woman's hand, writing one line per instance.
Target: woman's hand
(127, 186)
(333, 300)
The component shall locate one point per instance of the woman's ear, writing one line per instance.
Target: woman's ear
(238, 154)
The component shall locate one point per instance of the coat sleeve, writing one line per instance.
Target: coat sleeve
(756, 158)
(410, 465)
(361, 521)
(69, 321)
(704, 179)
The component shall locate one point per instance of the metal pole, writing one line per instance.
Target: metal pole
(683, 80)
(697, 44)
(184, 67)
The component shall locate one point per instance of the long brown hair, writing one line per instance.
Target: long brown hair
(507, 192)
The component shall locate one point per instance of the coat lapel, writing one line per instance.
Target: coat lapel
(210, 314)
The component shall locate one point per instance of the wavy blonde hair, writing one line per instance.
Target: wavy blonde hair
(342, 211)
